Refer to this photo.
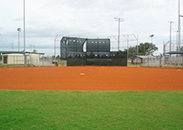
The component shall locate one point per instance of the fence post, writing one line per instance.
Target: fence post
(160, 60)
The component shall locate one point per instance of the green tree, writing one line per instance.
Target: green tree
(132, 51)
(143, 49)
(35, 51)
(58, 57)
(147, 48)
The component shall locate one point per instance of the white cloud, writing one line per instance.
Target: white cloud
(86, 18)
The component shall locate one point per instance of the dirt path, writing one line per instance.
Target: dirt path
(91, 78)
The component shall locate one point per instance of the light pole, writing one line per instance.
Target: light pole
(176, 37)
(0, 53)
(18, 29)
(170, 35)
(151, 36)
(55, 47)
(137, 38)
(179, 30)
(25, 64)
(34, 49)
(12, 46)
(119, 20)
(31, 48)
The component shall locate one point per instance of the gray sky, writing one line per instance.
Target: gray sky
(86, 18)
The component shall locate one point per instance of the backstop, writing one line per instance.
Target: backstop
(84, 51)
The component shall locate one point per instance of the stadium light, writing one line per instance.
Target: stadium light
(151, 36)
(119, 20)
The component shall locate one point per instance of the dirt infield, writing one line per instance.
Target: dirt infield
(91, 78)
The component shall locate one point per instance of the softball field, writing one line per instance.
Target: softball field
(91, 78)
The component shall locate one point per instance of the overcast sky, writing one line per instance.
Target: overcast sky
(86, 18)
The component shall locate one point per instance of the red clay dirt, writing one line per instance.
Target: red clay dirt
(91, 78)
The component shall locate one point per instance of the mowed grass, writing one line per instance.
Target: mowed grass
(89, 110)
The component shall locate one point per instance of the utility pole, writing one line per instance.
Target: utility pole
(119, 20)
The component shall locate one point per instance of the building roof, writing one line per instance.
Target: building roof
(175, 52)
(18, 52)
(142, 57)
(7, 52)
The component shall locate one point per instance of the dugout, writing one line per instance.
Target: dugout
(175, 58)
(17, 57)
(142, 59)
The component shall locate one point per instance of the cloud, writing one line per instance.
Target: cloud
(87, 18)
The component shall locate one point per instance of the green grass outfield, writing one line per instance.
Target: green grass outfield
(90, 110)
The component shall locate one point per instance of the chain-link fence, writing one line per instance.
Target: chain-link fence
(172, 54)
(173, 60)
(158, 61)
(43, 61)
